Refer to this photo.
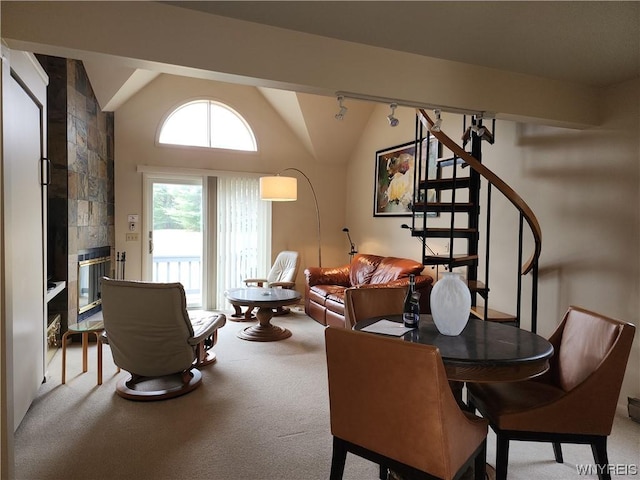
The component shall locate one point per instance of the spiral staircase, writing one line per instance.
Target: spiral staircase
(453, 196)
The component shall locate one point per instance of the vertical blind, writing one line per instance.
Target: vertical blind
(243, 234)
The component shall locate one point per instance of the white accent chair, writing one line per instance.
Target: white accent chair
(282, 275)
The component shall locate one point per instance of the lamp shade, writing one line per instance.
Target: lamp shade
(278, 188)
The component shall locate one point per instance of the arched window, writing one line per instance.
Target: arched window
(205, 123)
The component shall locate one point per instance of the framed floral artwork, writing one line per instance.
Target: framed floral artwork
(394, 177)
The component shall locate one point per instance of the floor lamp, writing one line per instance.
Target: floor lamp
(277, 188)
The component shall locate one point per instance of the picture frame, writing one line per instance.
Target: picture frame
(394, 188)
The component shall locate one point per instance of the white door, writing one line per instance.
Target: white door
(24, 114)
(175, 235)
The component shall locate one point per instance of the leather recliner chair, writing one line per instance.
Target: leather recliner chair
(282, 275)
(152, 335)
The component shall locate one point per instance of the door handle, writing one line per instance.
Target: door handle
(45, 171)
(150, 243)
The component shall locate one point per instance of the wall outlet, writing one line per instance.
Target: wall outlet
(131, 237)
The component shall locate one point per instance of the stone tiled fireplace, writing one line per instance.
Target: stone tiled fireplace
(81, 203)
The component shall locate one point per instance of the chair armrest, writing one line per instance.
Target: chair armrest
(283, 284)
(259, 281)
(204, 324)
(421, 282)
(328, 276)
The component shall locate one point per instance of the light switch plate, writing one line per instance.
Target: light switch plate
(131, 237)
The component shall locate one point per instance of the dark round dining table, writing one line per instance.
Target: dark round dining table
(483, 352)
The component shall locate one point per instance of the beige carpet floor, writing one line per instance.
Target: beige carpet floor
(261, 413)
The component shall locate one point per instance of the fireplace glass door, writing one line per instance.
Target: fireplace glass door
(92, 266)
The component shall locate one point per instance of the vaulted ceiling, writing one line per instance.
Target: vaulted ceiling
(578, 45)
(595, 42)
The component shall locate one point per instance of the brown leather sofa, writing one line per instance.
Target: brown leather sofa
(324, 287)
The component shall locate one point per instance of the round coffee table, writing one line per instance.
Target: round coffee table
(265, 299)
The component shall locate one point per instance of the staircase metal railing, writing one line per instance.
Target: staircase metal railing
(526, 215)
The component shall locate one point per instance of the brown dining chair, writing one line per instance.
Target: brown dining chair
(390, 403)
(361, 303)
(574, 402)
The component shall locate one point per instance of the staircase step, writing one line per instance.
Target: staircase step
(444, 232)
(440, 207)
(448, 162)
(493, 315)
(476, 286)
(457, 260)
(446, 183)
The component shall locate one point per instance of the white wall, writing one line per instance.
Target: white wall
(379, 235)
(294, 223)
(582, 185)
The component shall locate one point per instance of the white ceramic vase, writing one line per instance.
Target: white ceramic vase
(450, 304)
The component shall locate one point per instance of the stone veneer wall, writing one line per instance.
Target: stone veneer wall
(81, 195)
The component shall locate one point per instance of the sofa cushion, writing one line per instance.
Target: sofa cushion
(323, 291)
(362, 268)
(335, 304)
(336, 298)
(392, 268)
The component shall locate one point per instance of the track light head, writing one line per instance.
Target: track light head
(437, 124)
(343, 110)
(393, 121)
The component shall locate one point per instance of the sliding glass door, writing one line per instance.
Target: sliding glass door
(209, 233)
(175, 235)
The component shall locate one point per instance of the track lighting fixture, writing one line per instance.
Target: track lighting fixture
(437, 124)
(481, 131)
(343, 110)
(393, 121)
(475, 128)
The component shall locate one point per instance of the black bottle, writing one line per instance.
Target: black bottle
(411, 309)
